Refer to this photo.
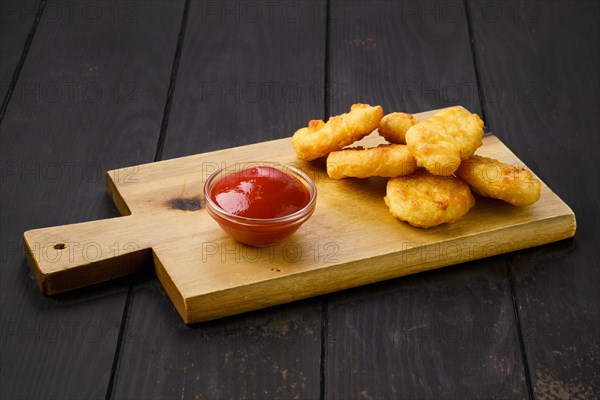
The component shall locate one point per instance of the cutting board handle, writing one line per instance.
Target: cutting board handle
(72, 256)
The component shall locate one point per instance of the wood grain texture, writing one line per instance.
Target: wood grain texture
(272, 353)
(548, 115)
(97, 94)
(455, 346)
(208, 275)
(415, 56)
(16, 19)
(249, 73)
(440, 334)
(236, 85)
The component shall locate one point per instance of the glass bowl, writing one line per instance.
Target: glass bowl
(260, 231)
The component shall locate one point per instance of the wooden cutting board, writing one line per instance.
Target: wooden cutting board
(350, 240)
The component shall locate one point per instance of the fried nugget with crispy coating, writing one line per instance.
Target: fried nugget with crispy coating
(442, 141)
(492, 178)
(393, 127)
(425, 200)
(385, 160)
(320, 138)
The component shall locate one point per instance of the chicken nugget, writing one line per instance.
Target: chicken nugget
(492, 178)
(393, 127)
(385, 160)
(320, 138)
(425, 200)
(442, 141)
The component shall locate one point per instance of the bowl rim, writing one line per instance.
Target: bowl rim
(297, 215)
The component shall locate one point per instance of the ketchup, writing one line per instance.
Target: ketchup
(260, 192)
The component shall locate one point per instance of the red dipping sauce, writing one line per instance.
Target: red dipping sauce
(260, 192)
(262, 205)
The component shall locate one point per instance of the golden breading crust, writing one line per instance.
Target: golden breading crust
(442, 141)
(425, 200)
(393, 127)
(385, 160)
(492, 178)
(320, 138)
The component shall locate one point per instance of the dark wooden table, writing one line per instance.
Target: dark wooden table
(89, 86)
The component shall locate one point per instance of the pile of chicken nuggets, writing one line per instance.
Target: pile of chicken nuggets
(431, 164)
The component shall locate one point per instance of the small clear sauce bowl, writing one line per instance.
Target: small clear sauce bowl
(257, 231)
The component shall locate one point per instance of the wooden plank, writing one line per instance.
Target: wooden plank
(455, 344)
(208, 275)
(98, 92)
(229, 54)
(414, 56)
(548, 114)
(17, 18)
(242, 81)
